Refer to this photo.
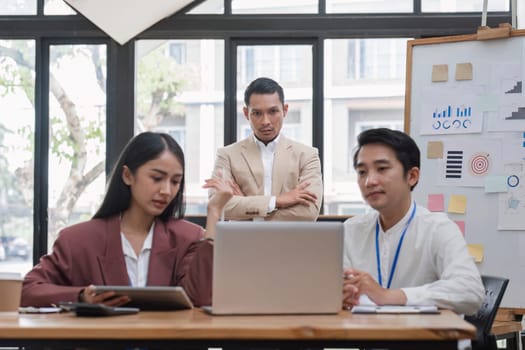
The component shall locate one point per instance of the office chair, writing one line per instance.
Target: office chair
(483, 319)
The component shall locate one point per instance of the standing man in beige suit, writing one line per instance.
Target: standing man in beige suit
(274, 178)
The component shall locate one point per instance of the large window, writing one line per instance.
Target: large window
(363, 89)
(291, 66)
(57, 7)
(274, 6)
(18, 7)
(76, 138)
(349, 6)
(463, 5)
(180, 92)
(17, 128)
(373, 59)
(77, 134)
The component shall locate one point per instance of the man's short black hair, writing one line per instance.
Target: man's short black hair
(405, 148)
(263, 86)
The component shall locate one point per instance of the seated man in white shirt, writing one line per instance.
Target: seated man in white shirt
(402, 254)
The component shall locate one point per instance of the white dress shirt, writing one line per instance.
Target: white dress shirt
(137, 266)
(433, 267)
(267, 155)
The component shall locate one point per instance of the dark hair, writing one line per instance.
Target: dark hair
(404, 146)
(140, 150)
(263, 86)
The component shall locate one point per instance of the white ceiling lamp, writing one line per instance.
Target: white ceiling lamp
(124, 19)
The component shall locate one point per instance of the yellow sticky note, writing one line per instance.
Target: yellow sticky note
(435, 150)
(457, 204)
(439, 72)
(464, 71)
(476, 251)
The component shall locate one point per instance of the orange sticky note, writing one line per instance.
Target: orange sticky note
(464, 71)
(435, 150)
(439, 72)
(436, 202)
(457, 204)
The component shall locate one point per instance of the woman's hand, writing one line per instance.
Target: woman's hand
(224, 190)
(88, 295)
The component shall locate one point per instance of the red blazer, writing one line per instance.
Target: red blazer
(91, 253)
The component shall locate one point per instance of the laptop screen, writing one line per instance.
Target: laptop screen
(277, 267)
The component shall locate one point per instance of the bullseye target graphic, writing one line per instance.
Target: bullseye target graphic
(479, 164)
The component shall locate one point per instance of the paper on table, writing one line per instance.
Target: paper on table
(395, 309)
(38, 310)
(367, 306)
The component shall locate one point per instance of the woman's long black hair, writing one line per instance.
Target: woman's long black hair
(140, 150)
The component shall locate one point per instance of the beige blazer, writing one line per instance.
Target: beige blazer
(293, 163)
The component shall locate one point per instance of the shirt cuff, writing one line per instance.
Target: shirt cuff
(415, 295)
(271, 204)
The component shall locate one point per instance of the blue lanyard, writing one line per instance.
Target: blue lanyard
(399, 244)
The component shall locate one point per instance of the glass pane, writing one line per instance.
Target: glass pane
(373, 6)
(17, 128)
(180, 91)
(274, 6)
(210, 7)
(18, 7)
(57, 7)
(291, 67)
(463, 5)
(77, 154)
(364, 88)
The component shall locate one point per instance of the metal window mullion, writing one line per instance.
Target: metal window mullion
(416, 9)
(230, 91)
(40, 7)
(318, 99)
(120, 99)
(321, 9)
(41, 154)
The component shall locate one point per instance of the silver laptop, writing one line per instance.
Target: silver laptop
(277, 268)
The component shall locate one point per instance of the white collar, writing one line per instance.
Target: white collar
(270, 146)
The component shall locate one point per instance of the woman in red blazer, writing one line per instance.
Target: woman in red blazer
(138, 236)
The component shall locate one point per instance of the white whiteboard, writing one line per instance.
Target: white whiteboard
(479, 120)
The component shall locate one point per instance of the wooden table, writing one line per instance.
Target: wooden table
(195, 329)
